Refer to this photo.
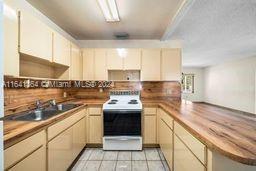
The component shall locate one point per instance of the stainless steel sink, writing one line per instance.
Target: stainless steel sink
(42, 114)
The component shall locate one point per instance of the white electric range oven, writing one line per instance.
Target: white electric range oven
(122, 116)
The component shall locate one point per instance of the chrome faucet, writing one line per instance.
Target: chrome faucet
(38, 104)
(51, 102)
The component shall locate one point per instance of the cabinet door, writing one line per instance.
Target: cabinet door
(35, 37)
(79, 137)
(166, 142)
(184, 160)
(114, 60)
(100, 70)
(133, 59)
(149, 136)
(60, 151)
(35, 161)
(150, 65)
(171, 65)
(61, 50)
(88, 64)
(95, 129)
(10, 42)
(76, 63)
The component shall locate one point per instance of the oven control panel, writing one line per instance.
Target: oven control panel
(124, 93)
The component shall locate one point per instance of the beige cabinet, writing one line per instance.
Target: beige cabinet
(60, 151)
(94, 126)
(149, 125)
(171, 65)
(132, 61)
(123, 59)
(76, 65)
(149, 133)
(88, 64)
(66, 140)
(184, 159)
(35, 161)
(95, 129)
(61, 49)
(35, 37)
(166, 141)
(10, 41)
(114, 60)
(100, 62)
(150, 65)
(195, 146)
(79, 137)
(22, 154)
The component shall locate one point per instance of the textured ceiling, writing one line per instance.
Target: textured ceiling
(83, 19)
(213, 31)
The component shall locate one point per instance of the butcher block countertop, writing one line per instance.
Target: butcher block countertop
(225, 131)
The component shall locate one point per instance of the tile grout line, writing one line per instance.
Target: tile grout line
(102, 159)
(86, 161)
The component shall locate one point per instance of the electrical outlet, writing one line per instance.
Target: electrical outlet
(65, 94)
(169, 92)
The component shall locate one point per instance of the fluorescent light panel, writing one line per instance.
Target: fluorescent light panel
(109, 10)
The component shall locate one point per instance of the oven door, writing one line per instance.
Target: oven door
(122, 122)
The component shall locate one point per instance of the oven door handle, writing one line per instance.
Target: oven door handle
(123, 138)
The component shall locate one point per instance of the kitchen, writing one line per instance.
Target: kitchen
(117, 85)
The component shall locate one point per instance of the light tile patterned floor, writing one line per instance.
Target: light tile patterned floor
(95, 159)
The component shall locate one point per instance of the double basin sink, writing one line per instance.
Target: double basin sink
(42, 113)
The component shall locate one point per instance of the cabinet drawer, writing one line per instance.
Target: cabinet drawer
(150, 111)
(184, 160)
(94, 111)
(20, 150)
(166, 118)
(64, 124)
(35, 161)
(198, 148)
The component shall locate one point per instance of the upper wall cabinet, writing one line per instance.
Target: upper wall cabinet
(100, 62)
(150, 65)
(123, 59)
(114, 60)
(76, 65)
(171, 65)
(88, 64)
(61, 49)
(132, 60)
(35, 37)
(10, 28)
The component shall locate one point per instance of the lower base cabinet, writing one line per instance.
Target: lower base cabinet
(184, 160)
(166, 142)
(95, 129)
(35, 161)
(60, 152)
(79, 137)
(64, 148)
(149, 131)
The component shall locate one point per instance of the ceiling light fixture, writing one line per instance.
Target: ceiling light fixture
(109, 10)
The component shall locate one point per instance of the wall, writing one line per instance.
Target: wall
(232, 84)
(16, 100)
(1, 88)
(198, 95)
(24, 5)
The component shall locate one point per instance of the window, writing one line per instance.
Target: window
(187, 83)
